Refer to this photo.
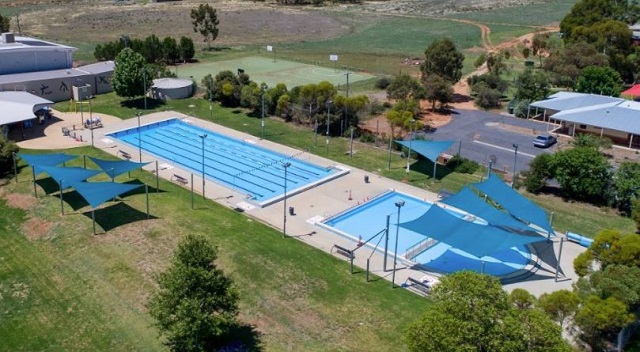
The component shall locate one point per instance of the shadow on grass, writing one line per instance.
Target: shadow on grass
(243, 338)
(138, 103)
(48, 185)
(117, 215)
(73, 199)
(425, 166)
(140, 190)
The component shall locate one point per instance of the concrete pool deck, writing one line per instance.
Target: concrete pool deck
(312, 205)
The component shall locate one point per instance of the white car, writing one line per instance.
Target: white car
(544, 141)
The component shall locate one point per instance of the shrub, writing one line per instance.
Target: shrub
(7, 148)
(462, 165)
(367, 137)
(383, 83)
(635, 213)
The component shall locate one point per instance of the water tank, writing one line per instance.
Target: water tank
(171, 88)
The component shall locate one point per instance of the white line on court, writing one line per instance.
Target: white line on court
(503, 148)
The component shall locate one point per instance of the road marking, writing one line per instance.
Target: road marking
(503, 148)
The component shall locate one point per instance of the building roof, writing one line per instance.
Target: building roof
(26, 43)
(633, 91)
(98, 67)
(19, 106)
(41, 75)
(622, 116)
(570, 100)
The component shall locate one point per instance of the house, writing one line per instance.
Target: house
(614, 118)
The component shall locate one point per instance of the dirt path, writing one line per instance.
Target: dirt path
(461, 98)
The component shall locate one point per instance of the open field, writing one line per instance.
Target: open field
(64, 289)
(365, 38)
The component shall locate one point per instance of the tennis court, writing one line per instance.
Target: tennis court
(262, 69)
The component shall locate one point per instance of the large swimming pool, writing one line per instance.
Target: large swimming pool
(368, 219)
(241, 165)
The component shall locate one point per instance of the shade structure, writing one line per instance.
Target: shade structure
(69, 175)
(114, 168)
(633, 91)
(36, 161)
(429, 149)
(96, 193)
(513, 202)
(475, 239)
(468, 201)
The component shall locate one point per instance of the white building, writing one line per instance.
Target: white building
(23, 54)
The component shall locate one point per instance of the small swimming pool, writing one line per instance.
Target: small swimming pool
(368, 219)
(241, 165)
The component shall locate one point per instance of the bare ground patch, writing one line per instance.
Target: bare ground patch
(241, 23)
(36, 228)
(20, 201)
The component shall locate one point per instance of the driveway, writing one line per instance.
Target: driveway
(489, 136)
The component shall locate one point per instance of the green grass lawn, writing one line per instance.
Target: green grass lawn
(63, 288)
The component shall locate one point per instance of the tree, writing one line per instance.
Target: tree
(442, 58)
(584, 140)
(635, 213)
(566, 64)
(5, 24)
(186, 49)
(521, 299)
(599, 318)
(196, 304)
(7, 148)
(599, 80)
(559, 305)
(626, 182)
(540, 171)
(486, 97)
(586, 13)
(127, 80)
(170, 51)
(539, 45)
(205, 21)
(583, 174)
(404, 87)
(152, 49)
(437, 89)
(619, 281)
(531, 85)
(471, 312)
(610, 247)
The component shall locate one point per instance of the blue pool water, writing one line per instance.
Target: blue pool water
(368, 219)
(236, 164)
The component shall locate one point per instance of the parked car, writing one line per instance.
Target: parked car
(544, 141)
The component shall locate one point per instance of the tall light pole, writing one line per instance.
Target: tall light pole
(144, 79)
(139, 138)
(284, 210)
(264, 90)
(410, 140)
(210, 105)
(91, 120)
(399, 204)
(329, 102)
(203, 137)
(515, 161)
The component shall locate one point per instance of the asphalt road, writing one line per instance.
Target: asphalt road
(484, 138)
